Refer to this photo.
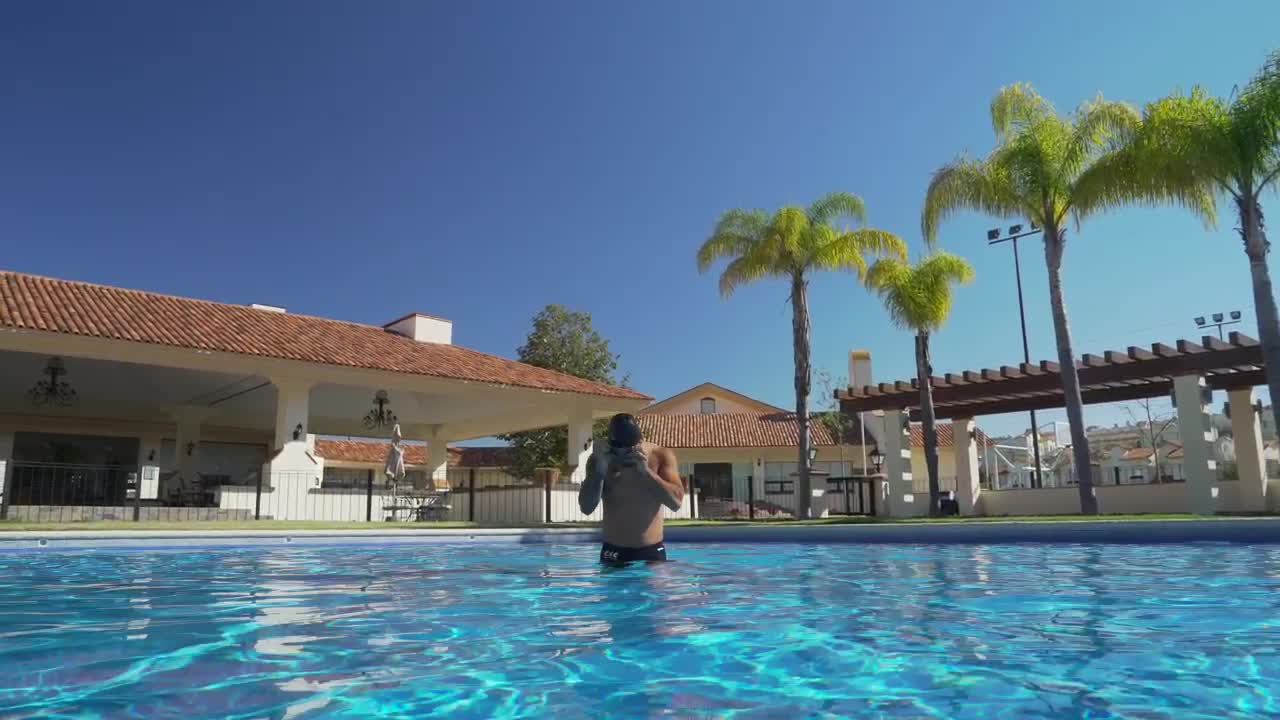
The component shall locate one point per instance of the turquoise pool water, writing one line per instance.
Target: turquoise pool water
(750, 631)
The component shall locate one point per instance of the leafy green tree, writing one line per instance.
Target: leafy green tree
(563, 340)
(1045, 168)
(1198, 147)
(793, 243)
(918, 298)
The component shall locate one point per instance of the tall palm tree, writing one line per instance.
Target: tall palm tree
(1198, 145)
(792, 243)
(1043, 169)
(918, 297)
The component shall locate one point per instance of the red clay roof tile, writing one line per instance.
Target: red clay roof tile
(77, 308)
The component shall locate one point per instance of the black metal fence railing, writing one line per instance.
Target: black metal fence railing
(489, 496)
(852, 495)
(56, 492)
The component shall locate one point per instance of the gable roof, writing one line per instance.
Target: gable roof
(30, 302)
(1138, 453)
(728, 430)
(946, 437)
(701, 390)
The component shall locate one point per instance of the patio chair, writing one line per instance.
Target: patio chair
(435, 502)
(417, 503)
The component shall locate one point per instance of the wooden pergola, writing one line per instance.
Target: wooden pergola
(1187, 372)
(1112, 376)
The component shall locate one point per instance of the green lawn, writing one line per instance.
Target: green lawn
(359, 526)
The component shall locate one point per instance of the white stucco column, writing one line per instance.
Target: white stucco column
(968, 491)
(1251, 466)
(897, 464)
(293, 405)
(437, 469)
(293, 401)
(578, 447)
(1190, 397)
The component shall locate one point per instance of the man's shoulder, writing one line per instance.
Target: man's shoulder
(659, 451)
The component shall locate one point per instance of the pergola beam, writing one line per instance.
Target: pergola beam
(1112, 372)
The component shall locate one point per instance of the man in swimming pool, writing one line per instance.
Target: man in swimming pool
(635, 479)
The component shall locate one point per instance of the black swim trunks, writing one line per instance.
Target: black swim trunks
(618, 555)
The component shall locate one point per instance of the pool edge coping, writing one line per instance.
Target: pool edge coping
(1234, 530)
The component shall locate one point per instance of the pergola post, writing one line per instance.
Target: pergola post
(1251, 466)
(968, 491)
(1191, 397)
(897, 464)
(578, 446)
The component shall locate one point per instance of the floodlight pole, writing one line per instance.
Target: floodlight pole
(1036, 479)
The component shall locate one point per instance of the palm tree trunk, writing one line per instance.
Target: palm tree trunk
(1054, 239)
(800, 348)
(1264, 300)
(928, 422)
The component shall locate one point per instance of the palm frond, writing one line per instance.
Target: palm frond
(849, 250)
(734, 234)
(1122, 178)
(745, 270)
(918, 297)
(1255, 121)
(966, 184)
(1100, 125)
(836, 206)
(1016, 107)
(786, 236)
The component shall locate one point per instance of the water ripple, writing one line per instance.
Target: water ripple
(726, 631)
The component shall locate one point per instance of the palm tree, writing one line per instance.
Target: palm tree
(1043, 168)
(1198, 145)
(792, 243)
(918, 297)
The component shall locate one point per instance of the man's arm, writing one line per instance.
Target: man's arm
(593, 484)
(665, 483)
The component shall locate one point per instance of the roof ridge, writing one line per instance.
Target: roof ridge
(184, 298)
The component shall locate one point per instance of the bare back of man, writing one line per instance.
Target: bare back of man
(634, 483)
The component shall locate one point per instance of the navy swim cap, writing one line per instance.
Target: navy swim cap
(624, 432)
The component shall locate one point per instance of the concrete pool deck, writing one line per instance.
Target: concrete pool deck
(1233, 530)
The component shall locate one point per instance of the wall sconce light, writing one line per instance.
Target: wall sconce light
(297, 432)
(190, 447)
(151, 456)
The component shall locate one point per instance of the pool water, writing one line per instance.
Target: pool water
(742, 631)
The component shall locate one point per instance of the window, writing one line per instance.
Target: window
(708, 406)
(778, 479)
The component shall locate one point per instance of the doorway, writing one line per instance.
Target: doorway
(715, 480)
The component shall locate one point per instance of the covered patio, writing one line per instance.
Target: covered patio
(203, 410)
(1188, 372)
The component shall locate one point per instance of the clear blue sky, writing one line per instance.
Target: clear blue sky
(477, 160)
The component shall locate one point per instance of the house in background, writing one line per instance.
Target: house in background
(739, 450)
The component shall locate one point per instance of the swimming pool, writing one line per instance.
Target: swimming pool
(733, 630)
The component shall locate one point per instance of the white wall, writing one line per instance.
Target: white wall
(298, 496)
(1044, 501)
(1115, 499)
(946, 469)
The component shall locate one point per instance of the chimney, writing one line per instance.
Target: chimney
(859, 368)
(859, 375)
(423, 328)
